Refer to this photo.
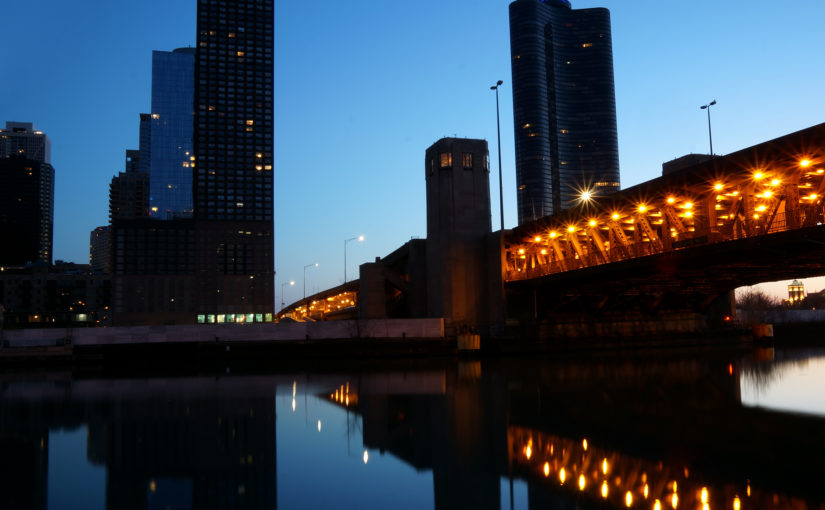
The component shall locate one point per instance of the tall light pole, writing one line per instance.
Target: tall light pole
(305, 280)
(291, 282)
(710, 135)
(498, 132)
(346, 241)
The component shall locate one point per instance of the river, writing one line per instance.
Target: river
(630, 430)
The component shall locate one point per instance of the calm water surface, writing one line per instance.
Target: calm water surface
(686, 431)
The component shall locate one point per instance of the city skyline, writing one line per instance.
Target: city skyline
(374, 100)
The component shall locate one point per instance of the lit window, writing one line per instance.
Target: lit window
(155, 116)
(446, 160)
(467, 160)
(587, 45)
(240, 54)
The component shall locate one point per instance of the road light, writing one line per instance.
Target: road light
(305, 280)
(291, 282)
(710, 135)
(498, 132)
(346, 241)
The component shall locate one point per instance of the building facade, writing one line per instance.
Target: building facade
(170, 173)
(26, 195)
(233, 161)
(564, 105)
(100, 259)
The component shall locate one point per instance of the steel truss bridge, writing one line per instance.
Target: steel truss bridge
(771, 188)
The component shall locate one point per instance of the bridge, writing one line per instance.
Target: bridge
(668, 251)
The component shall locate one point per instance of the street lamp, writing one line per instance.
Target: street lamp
(710, 135)
(498, 132)
(346, 241)
(291, 282)
(305, 280)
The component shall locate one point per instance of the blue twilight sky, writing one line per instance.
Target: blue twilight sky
(363, 87)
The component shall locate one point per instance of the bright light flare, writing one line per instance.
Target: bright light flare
(670, 200)
(775, 182)
(571, 228)
(592, 223)
(537, 239)
(642, 208)
(615, 216)
(805, 163)
(758, 176)
(718, 186)
(586, 195)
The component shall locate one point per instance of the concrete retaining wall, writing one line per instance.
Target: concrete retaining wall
(281, 332)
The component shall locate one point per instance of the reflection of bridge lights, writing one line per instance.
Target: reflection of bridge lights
(319, 425)
(366, 456)
(546, 469)
(646, 491)
(674, 501)
(737, 504)
(582, 482)
(657, 505)
(704, 495)
(628, 499)
(562, 475)
(528, 451)
(604, 466)
(584, 444)
(605, 490)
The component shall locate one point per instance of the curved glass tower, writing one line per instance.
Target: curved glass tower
(564, 105)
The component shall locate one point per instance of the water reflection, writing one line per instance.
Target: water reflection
(651, 433)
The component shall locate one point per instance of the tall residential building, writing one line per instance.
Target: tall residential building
(129, 191)
(22, 140)
(564, 105)
(100, 260)
(233, 160)
(170, 174)
(26, 195)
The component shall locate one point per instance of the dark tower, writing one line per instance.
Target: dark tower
(26, 195)
(564, 105)
(232, 175)
(457, 173)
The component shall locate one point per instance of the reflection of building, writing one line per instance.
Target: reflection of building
(26, 195)
(564, 105)
(188, 453)
(796, 292)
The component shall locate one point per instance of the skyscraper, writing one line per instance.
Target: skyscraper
(564, 105)
(26, 195)
(233, 160)
(170, 175)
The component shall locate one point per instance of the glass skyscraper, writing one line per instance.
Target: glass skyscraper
(170, 173)
(564, 105)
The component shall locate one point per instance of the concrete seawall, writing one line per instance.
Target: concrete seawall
(273, 333)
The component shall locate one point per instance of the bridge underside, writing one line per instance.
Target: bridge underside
(679, 291)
